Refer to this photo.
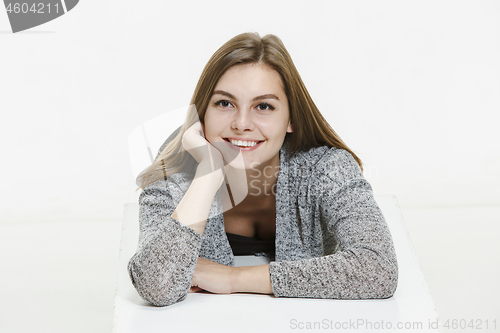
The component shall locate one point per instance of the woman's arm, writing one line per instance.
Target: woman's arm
(195, 205)
(365, 265)
(162, 268)
(170, 234)
(252, 279)
(221, 279)
(163, 264)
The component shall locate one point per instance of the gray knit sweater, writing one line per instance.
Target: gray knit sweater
(331, 238)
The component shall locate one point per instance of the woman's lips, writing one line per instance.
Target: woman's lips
(243, 148)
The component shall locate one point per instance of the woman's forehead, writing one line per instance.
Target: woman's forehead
(250, 80)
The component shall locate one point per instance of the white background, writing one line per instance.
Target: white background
(413, 87)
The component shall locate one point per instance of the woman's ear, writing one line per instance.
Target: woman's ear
(289, 129)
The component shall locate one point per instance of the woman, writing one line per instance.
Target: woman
(293, 189)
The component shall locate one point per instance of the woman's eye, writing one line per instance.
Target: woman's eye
(224, 103)
(265, 107)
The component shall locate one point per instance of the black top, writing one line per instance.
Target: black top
(243, 245)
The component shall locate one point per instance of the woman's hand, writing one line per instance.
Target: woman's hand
(209, 155)
(202, 151)
(212, 277)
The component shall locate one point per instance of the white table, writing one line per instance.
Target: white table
(411, 306)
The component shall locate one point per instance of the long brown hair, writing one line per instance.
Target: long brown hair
(310, 128)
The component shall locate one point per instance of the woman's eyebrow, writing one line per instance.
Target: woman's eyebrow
(258, 98)
(224, 93)
(267, 96)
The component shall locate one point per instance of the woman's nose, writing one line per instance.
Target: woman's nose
(242, 121)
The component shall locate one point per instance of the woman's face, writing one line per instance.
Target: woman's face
(249, 104)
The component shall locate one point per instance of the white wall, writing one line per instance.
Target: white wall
(412, 86)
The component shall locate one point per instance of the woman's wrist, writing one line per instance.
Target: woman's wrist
(195, 205)
(251, 279)
(210, 171)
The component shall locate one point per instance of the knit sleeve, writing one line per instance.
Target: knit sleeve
(364, 265)
(162, 268)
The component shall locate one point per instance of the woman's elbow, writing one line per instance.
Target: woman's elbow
(157, 288)
(387, 281)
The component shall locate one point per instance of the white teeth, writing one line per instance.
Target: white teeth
(243, 143)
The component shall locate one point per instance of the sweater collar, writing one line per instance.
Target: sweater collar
(298, 159)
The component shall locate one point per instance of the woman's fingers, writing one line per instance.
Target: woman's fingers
(195, 289)
(212, 153)
(194, 138)
(196, 145)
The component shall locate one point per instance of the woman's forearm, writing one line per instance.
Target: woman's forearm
(252, 279)
(194, 207)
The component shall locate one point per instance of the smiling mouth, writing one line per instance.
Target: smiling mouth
(243, 144)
